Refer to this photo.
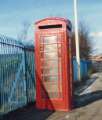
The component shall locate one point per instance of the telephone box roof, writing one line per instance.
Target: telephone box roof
(54, 18)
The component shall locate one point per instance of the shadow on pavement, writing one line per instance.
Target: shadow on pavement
(31, 113)
(88, 98)
(84, 85)
(28, 113)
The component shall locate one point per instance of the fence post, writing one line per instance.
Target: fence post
(25, 73)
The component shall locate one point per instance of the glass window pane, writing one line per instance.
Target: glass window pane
(52, 89)
(50, 71)
(51, 66)
(50, 63)
(50, 78)
(50, 48)
(41, 47)
(51, 55)
(50, 39)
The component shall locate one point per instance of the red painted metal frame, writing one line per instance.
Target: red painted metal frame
(64, 103)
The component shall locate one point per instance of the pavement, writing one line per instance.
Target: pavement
(88, 105)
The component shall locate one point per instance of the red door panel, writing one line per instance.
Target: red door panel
(51, 71)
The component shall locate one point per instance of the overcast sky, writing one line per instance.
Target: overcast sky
(14, 12)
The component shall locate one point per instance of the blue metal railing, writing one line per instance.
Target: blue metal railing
(16, 75)
(85, 67)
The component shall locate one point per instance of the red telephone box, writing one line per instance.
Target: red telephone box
(53, 64)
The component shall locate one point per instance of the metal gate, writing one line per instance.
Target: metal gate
(17, 83)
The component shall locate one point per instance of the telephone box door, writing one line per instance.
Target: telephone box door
(52, 70)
